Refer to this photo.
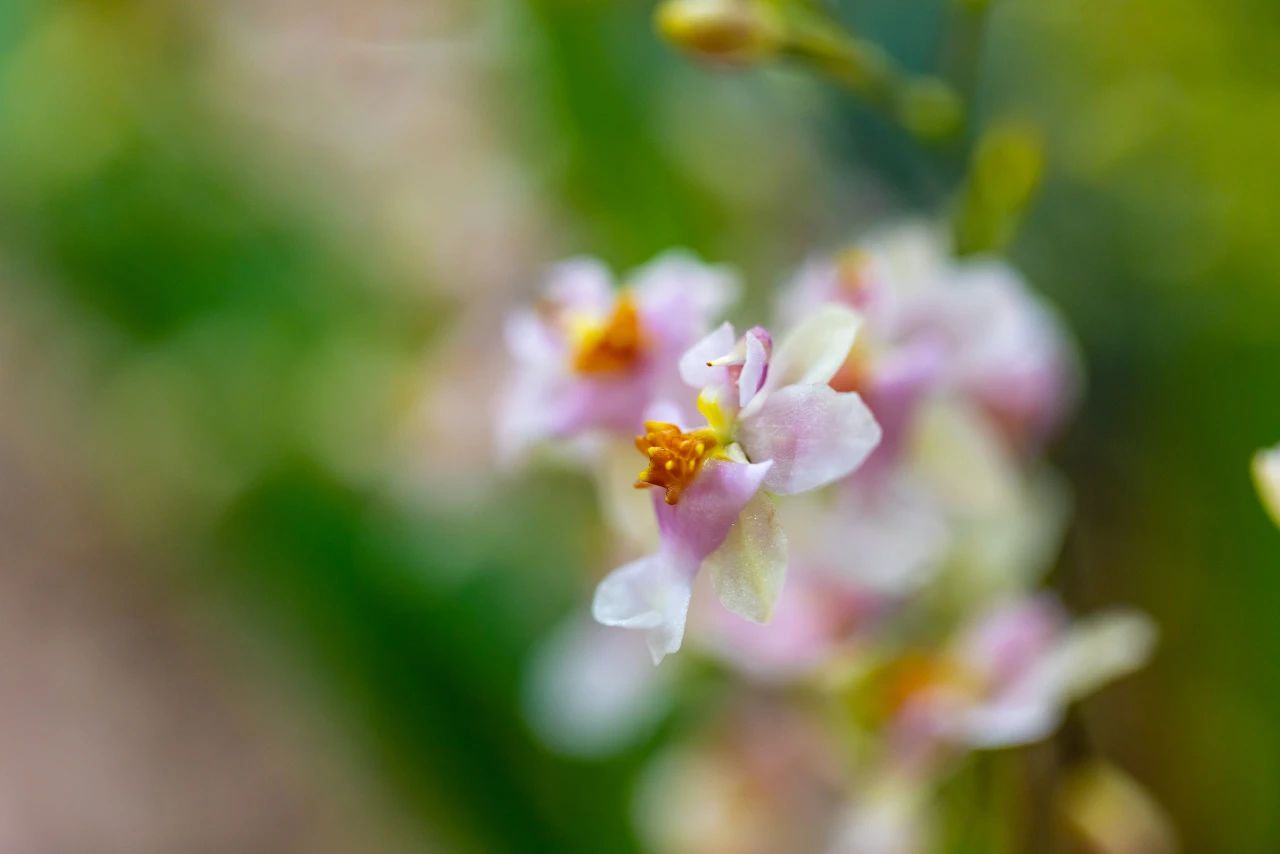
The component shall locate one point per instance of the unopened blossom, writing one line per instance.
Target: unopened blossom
(772, 425)
(591, 358)
(1009, 676)
(1266, 477)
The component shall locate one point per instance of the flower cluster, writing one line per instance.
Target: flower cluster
(864, 494)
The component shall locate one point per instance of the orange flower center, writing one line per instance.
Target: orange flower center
(614, 346)
(919, 673)
(675, 457)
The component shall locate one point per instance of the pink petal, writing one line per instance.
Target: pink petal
(813, 434)
(754, 366)
(708, 509)
(678, 288)
(581, 285)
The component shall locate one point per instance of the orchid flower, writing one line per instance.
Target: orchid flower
(1266, 477)
(1007, 679)
(968, 328)
(591, 358)
(773, 425)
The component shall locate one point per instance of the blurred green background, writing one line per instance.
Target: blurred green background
(265, 587)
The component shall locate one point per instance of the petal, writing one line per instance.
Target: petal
(813, 434)
(756, 362)
(1102, 648)
(629, 511)
(581, 286)
(529, 340)
(1266, 477)
(1094, 652)
(679, 287)
(750, 566)
(708, 509)
(694, 369)
(814, 350)
(651, 594)
(1012, 638)
(887, 535)
(1013, 721)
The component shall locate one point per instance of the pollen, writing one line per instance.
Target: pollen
(675, 457)
(613, 346)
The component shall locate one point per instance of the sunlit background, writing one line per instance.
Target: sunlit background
(264, 586)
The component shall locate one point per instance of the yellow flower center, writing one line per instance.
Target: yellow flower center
(852, 271)
(613, 346)
(918, 673)
(675, 457)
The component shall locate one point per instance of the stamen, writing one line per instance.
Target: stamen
(675, 457)
(614, 346)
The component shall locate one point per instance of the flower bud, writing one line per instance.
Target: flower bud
(729, 31)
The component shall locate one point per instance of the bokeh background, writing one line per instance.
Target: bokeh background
(262, 585)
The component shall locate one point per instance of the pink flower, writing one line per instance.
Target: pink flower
(773, 424)
(1009, 676)
(941, 326)
(591, 358)
(814, 617)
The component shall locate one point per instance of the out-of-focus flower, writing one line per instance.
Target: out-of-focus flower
(1008, 677)
(772, 424)
(1006, 515)
(1266, 477)
(887, 535)
(970, 328)
(591, 358)
(815, 616)
(591, 691)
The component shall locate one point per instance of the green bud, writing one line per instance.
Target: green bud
(929, 108)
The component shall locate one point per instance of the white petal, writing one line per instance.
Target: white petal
(694, 369)
(649, 594)
(813, 434)
(1011, 722)
(749, 568)
(1102, 648)
(813, 351)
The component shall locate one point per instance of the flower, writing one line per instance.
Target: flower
(773, 424)
(1266, 477)
(1008, 676)
(968, 328)
(591, 359)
